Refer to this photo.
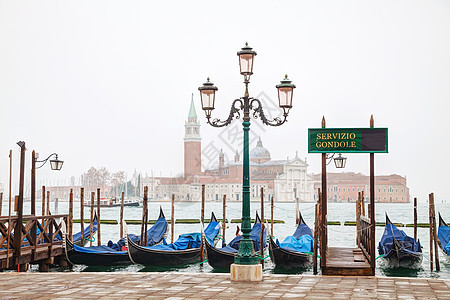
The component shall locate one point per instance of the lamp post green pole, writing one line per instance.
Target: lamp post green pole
(246, 254)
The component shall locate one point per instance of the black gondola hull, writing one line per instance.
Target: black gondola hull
(152, 257)
(96, 259)
(286, 259)
(398, 257)
(217, 258)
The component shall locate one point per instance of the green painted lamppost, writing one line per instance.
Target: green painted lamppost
(246, 254)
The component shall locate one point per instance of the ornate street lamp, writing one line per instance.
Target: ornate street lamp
(55, 164)
(246, 254)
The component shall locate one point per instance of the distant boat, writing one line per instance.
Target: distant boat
(444, 236)
(399, 249)
(114, 202)
(295, 250)
(222, 258)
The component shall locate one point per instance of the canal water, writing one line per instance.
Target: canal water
(338, 236)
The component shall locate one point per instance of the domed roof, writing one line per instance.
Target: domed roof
(259, 152)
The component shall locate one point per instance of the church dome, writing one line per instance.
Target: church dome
(259, 153)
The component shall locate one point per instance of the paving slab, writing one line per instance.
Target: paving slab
(178, 286)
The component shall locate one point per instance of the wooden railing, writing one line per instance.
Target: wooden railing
(365, 237)
(30, 241)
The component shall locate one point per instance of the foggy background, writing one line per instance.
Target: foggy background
(109, 83)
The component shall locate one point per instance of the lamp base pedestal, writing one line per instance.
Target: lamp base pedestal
(246, 272)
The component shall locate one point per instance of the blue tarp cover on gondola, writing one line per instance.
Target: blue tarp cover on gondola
(255, 234)
(154, 235)
(189, 240)
(406, 242)
(98, 249)
(301, 241)
(111, 248)
(444, 237)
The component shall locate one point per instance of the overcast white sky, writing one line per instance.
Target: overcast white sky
(109, 83)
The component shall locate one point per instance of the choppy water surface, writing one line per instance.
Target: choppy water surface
(338, 236)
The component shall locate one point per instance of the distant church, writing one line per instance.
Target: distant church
(285, 180)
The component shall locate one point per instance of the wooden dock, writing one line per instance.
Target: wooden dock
(346, 261)
(35, 240)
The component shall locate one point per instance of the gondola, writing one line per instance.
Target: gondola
(222, 258)
(399, 249)
(185, 250)
(444, 236)
(113, 254)
(295, 250)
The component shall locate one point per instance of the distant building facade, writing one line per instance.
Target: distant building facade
(284, 180)
(344, 187)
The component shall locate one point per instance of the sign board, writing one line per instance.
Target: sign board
(347, 140)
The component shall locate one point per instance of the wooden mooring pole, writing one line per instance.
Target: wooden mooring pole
(363, 204)
(43, 204)
(145, 221)
(323, 210)
(9, 210)
(48, 203)
(121, 214)
(372, 206)
(1, 203)
(415, 219)
(18, 229)
(82, 216)
(224, 223)
(71, 215)
(433, 237)
(92, 218)
(316, 232)
(172, 220)
(202, 222)
(33, 185)
(431, 233)
(271, 217)
(99, 239)
(261, 236)
(358, 219)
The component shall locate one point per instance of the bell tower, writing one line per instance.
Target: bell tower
(192, 143)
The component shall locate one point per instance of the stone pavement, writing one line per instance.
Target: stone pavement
(126, 285)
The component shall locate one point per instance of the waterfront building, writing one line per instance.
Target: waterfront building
(344, 187)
